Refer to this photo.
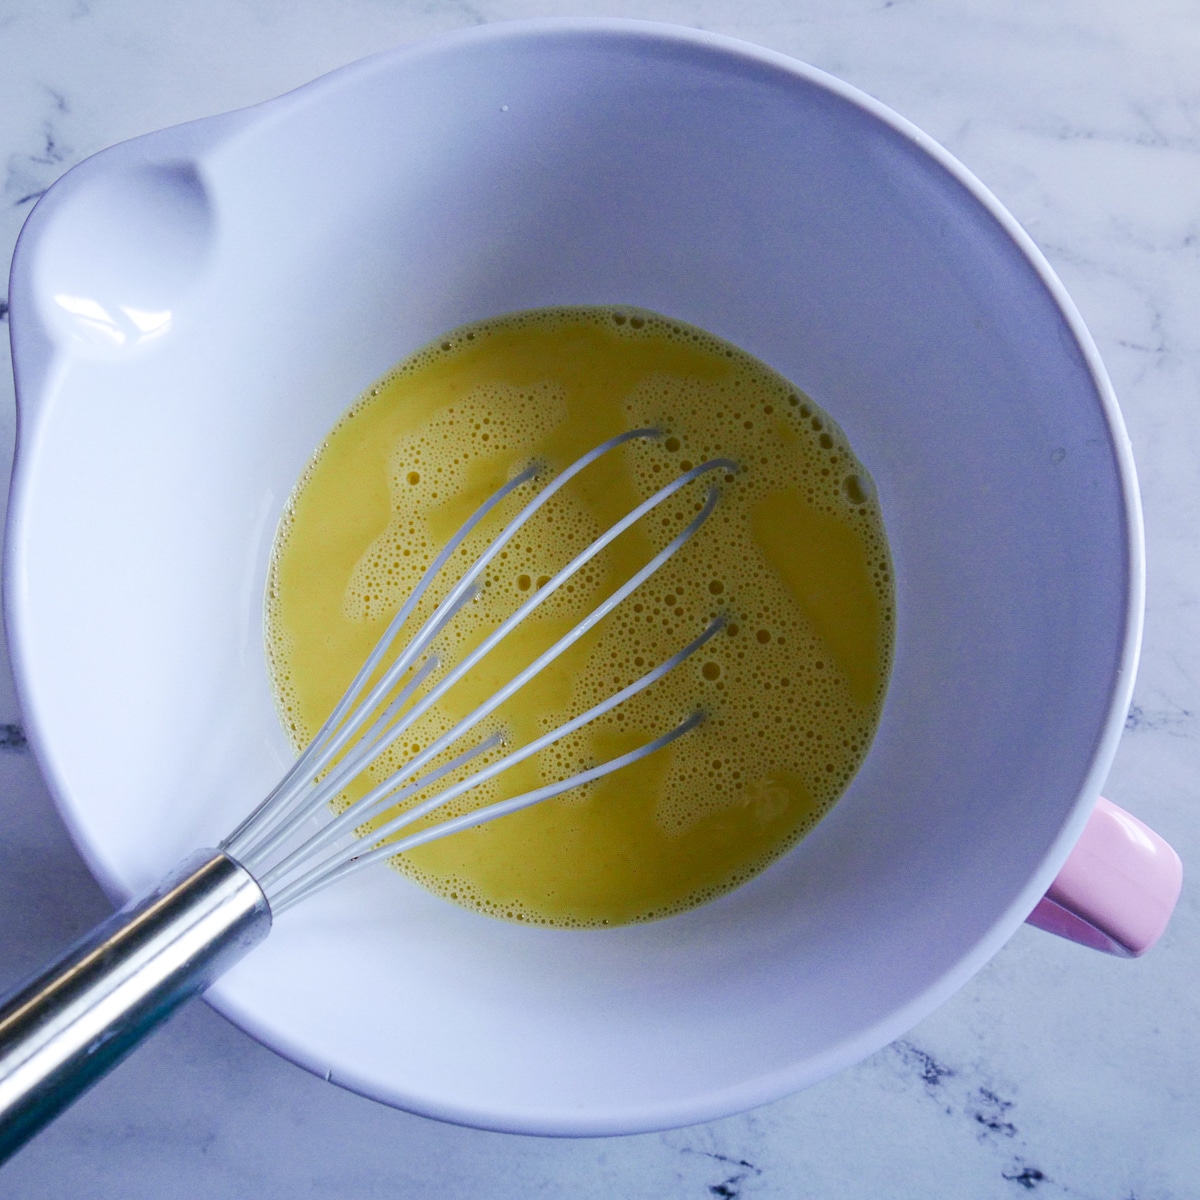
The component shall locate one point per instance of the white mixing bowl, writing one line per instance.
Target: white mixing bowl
(192, 310)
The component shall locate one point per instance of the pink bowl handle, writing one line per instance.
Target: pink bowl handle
(1118, 889)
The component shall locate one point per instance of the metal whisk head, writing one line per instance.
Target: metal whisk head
(366, 723)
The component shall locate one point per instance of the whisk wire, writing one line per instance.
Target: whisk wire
(326, 790)
(319, 775)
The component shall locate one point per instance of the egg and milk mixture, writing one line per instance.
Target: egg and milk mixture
(793, 558)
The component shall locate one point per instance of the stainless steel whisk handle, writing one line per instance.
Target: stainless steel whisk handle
(73, 1022)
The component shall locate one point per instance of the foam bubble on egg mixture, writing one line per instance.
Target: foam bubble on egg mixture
(794, 560)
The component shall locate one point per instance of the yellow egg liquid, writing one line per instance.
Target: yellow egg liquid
(794, 558)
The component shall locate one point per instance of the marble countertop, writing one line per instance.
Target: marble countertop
(1055, 1071)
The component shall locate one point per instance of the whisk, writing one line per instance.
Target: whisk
(75, 1020)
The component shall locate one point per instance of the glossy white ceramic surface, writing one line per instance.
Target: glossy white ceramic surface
(192, 310)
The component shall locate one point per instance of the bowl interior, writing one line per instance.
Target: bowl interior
(193, 310)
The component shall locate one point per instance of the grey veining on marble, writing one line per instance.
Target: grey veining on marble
(1055, 1071)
